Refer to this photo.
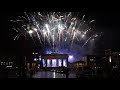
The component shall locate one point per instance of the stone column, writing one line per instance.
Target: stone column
(51, 62)
(67, 62)
(62, 62)
(41, 63)
(57, 62)
(45, 62)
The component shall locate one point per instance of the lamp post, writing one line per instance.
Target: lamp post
(24, 59)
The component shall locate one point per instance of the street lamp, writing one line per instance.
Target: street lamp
(70, 56)
(36, 53)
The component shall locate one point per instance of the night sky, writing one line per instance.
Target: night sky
(106, 22)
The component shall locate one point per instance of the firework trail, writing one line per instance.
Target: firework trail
(86, 42)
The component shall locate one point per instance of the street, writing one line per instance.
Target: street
(49, 74)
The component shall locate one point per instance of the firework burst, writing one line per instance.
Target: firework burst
(56, 29)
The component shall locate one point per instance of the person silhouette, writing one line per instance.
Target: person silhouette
(67, 72)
